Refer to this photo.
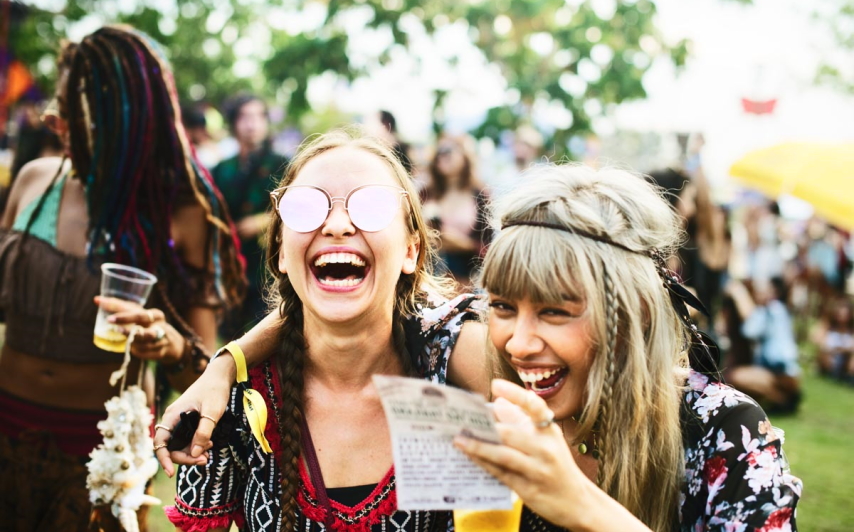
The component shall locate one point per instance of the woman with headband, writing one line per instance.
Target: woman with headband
(129, 191)
(607, 426)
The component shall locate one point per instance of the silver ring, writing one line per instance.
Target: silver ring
(160, 334)
(546, 423)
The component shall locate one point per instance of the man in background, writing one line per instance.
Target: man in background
(246, 181)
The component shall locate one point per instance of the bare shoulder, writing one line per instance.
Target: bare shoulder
(190, 232)
(468, 366)
(31, 181)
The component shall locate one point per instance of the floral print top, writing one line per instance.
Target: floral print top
(241, 484)
(736, 479)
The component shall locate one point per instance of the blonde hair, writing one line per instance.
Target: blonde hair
(412, 290)
(632, 393)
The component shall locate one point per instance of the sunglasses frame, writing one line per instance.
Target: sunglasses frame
(277, 195)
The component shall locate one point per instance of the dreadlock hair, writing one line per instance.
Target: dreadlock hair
(632, 395)
(411, 291)
(128, 146)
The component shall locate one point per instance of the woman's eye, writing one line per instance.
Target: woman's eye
(556, 312)
(500, 306)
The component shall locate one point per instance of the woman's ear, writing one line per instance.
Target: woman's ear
(410, 261)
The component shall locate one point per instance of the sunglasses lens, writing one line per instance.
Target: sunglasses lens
(303, 209)
(373, 208)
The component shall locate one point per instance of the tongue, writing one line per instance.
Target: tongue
(348, 278)
(551, 381)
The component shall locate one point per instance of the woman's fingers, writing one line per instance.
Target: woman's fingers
(497, 456)
(137, 316)
(507, 412)
(202, 437)
(531, 403)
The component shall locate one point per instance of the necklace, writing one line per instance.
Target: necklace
(593, 447)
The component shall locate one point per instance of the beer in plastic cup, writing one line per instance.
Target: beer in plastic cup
(121, 282)
(489, 520)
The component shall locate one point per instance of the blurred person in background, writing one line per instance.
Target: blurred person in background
(527, 147)
(246, 181)
(834, 336)
(823, 260)
(196, 126)
(455, 204)
(34, 140)
(138, 199)
(764, 260)
(503, 174)
(703, 258)
(773, 377)
(384, 126)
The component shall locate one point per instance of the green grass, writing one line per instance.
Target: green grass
(820, 448)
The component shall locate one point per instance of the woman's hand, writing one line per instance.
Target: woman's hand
(155, 339)
(209, 396)
(533, 461)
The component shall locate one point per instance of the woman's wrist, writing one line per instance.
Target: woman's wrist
(593, 510)
(223, 364)
(180, 352)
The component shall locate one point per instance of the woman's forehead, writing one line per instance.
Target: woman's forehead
(341, 169)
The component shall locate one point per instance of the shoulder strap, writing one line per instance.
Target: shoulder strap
(314, 470)
(253, 403)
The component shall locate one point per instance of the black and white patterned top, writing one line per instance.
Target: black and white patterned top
(242, 484)
(736, 478)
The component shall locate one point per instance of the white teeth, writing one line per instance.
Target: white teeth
(536, 377)
(340, 282)
(339, 258)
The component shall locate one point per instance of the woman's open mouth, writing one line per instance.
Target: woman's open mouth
(339, 269)
(544, 382)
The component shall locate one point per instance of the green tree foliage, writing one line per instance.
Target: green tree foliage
(574, 58)
(839, 16)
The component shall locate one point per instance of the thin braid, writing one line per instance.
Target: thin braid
(399, 339)
(291, 361)
(611, 322)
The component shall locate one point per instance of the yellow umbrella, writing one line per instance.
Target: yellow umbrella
(819, 173)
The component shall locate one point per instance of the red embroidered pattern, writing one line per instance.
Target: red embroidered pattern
(382, 502)
(190, 519)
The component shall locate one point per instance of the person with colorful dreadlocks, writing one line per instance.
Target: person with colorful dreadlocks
(127, 191)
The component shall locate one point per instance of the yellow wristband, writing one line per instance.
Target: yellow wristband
(253, 403)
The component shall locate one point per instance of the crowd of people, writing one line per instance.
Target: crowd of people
(631, 329)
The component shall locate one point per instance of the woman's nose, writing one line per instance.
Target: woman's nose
(338, 223)
(525, 340)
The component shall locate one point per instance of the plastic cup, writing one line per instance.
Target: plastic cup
(489, 520)
(121, 282)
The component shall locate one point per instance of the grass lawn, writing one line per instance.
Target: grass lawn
(819, 445)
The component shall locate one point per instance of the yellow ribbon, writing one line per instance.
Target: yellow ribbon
(253, 403)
